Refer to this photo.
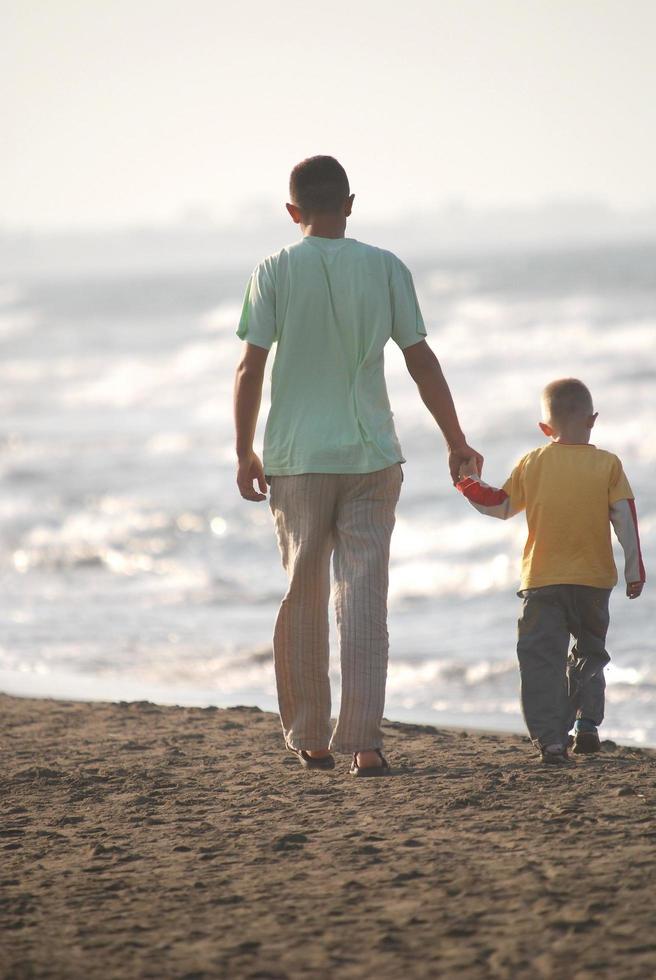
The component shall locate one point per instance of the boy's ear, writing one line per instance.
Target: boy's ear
(348, 206)
(547, 430)
(295, 213)
(592, 419)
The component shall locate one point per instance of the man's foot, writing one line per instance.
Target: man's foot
(371, 762)
(555, 755)
(586, 737)
(314, 758)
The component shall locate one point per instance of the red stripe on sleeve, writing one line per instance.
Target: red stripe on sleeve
(480, 493)
(634, 515)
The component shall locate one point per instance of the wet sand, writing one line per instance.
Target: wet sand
(138, 840)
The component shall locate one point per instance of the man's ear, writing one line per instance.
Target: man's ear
(348, 206)
(295, 213)
(592, 419)
(547, 430)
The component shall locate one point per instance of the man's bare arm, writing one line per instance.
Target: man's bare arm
(425, 370)
(249, 378)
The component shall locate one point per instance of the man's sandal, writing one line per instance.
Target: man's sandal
(382, 770)
(308, 762)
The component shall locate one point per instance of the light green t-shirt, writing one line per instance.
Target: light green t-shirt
(330, 305)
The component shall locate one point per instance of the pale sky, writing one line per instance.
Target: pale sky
(120, 112)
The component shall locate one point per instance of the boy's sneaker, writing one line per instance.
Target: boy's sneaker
(555, 755)
(586, 737)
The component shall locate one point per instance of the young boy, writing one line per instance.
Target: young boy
(571, 492)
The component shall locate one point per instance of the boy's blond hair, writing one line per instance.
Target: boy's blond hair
(567, 398)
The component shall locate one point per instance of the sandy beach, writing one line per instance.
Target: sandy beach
(147, 841)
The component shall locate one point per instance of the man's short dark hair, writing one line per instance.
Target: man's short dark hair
(319, 184)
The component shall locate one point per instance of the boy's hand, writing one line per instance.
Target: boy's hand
(462, 456)
(250, 469)
(634, 589)
(468, 468)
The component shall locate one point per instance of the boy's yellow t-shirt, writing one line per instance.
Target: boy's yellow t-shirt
(567, 492)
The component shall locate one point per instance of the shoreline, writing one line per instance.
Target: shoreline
(70, 686)
(157, 841)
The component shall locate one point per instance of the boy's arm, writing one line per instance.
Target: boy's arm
(624, 519)
(248, 395)
(424, 369)
(487, 500)
(492, 501)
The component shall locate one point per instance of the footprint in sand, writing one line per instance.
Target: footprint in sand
(403, 876)
(290, 842)
(104, 850)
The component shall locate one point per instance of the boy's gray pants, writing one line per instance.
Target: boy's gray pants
(557, 688)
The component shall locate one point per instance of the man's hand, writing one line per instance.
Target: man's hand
(465, 458)
(634, 589)
(250, 470)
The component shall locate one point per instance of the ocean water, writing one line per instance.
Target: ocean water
(131, 568)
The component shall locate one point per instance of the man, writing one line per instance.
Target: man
(331, 455)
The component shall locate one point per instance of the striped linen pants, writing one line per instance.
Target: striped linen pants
(351, 517)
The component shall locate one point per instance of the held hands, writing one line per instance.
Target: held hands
(464, 461)
(468, 468)
(634, 589)
(249, 470)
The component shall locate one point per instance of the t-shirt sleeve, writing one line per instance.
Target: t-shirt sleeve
(618, 486)
(257, 324)
(514, 487)
(407, 322)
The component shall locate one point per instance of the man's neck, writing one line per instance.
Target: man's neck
(325, 226)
